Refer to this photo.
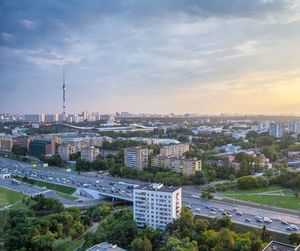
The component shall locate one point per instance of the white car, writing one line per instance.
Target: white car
(197, 209)
(212, 212)
(267, 220)
(294, 227)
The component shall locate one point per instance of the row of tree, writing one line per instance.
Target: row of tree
(187, 233)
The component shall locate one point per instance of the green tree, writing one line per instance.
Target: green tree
(294, 239)
(19, 150)
(141, 244)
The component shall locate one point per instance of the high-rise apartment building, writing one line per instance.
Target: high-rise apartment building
(176, 151)
(34, 118)
(49, 118)
(136, 157)
(156, 205)
(65, 150)
(90, 153)
(294, 126)
(276, 130)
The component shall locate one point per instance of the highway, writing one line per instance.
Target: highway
(106, 185)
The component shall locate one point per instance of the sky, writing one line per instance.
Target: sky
(152, 56)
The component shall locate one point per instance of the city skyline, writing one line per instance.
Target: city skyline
(205, 57)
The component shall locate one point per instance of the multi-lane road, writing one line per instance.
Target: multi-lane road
(120, 188)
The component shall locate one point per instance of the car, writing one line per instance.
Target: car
(221, 210)
(188, 206)
(260, 220)
(212, 209)
(294, 227)
(289, 229)
(229, 215)
(224, 213)
(247, 220)
(239, 213)
(267, 220)
(277, 218)
(207, 207)
(257, 217)
(235, 209)
(284, 223)
(212, 212)
(197, 209)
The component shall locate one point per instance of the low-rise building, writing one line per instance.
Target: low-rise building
(136, 157)
(229, 148)
(4, 175)
(279, 246)
(90, 153)
(105, 246)
(156, 205)
(294, 155)
(6, 142)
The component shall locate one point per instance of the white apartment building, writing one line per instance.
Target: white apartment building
(179, 165)
(276, 130)
(176, 151)
(136, 157)
(294, 126)
(34, 118)
(156, 205)
(90, 153)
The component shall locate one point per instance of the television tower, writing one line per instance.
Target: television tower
(64, 95)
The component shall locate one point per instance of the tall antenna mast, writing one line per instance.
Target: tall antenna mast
(64, 94)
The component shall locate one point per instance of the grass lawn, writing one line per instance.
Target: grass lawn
(66, 196)
(273, 195)
(8, 197)
(51, 186)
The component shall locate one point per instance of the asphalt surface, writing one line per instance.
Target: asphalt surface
(118, 188)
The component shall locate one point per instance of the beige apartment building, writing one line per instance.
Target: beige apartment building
(175, 151)
(180, 165)
(136, 157)
(90, 153)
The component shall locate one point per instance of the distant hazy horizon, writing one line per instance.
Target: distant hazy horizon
(139, 56)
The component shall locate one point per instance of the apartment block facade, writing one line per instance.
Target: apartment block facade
(180, 165)
(90, 153)
(136, 157)
(176, 151)
(156, 205)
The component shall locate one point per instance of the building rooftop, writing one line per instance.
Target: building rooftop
(104, 246)
(158, 187)
(278, 246)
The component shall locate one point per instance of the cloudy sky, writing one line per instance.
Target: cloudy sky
(197, 56)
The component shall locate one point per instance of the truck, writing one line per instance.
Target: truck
(68, 170)
(45, 165)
